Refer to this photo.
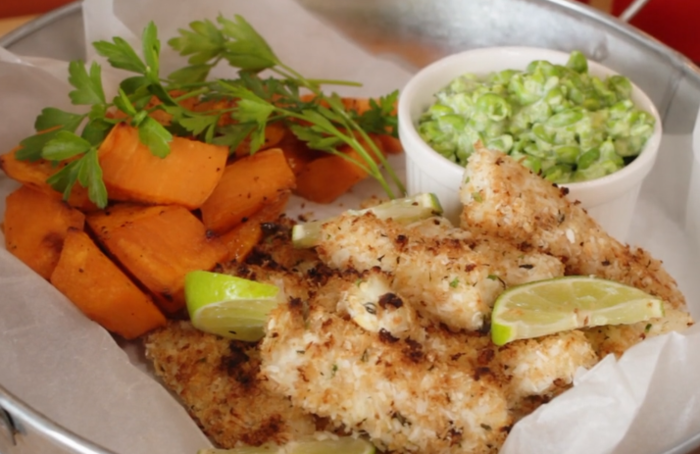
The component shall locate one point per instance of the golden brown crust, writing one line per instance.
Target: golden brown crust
(407, 394)
(517, 205)
(453, 277)
(217, 381)
(396, 373)
(503, 198)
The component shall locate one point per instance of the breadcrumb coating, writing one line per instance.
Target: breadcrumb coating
(448, 274)
(402, 395)
(408, 384)
(543, 367)
(383, 334)
(503, 198)
(217, 381)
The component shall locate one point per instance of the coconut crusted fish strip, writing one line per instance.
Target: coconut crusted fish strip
(393, 390)
(408, 386)
(503, 198)
(537, 370)
(404, 368)
(529, 368)
(530, 371)
(217, 381)
(448, 274)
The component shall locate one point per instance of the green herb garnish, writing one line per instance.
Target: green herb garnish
(322, 121)
(494, 277)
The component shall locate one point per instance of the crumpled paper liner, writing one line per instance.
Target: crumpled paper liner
(74, 372)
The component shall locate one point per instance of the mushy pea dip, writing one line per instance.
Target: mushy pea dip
(559, 121)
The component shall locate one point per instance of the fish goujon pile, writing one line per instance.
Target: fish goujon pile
(383, 329)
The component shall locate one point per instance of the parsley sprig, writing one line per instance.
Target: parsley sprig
(254, 102)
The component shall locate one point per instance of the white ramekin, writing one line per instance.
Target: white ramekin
(610, 200)
(692, 209)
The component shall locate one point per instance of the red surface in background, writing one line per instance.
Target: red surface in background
(10, 8)
(673, 22)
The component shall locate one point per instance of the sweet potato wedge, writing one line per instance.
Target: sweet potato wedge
(186, 177)
(274, 133)
(239, 241)
(158, 246)
(101, 290)
(298, 153)
(389, 144)
(35, 227)
(247, 184)
(325, 179)
(34, 174)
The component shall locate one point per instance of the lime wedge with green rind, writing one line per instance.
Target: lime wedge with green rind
(407, 209)
(229, 306)
(342, 445)
(560, 304)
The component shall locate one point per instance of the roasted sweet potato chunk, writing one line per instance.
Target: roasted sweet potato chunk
(389, 144)
(35, 227)
(239, 241)
(247, 185)
(326, 178)
(101, 290)
(186, 177)
(298, 153)
(34, 174)
(158, 245)
(274, 133)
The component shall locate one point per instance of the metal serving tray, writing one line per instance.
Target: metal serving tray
(415, 32)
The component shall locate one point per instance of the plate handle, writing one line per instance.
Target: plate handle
(20, 422)
(7, 427)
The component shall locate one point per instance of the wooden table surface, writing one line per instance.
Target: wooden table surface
(7, 24)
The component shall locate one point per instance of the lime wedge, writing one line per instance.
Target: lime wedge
(242, 450)
(229, 306)
(407, 209)
(342, 445)
(553, 305)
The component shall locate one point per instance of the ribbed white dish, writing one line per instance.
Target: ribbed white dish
(610, 200)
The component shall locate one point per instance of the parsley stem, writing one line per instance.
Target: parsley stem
(382, 159)
(313, 85)
(369, 165)
(189, 85)
(376, 172)
(308, 83)
(335, 82)
(293, 74)
(192, 94)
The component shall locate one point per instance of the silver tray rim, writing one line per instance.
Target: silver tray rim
(40, 22)
(23, 417)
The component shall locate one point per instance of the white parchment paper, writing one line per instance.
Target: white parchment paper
(70, 369)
